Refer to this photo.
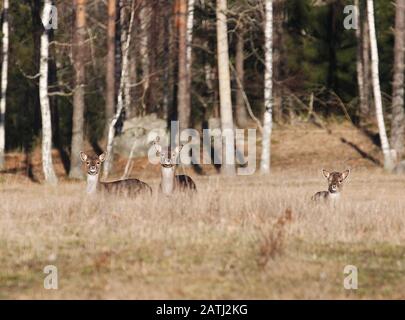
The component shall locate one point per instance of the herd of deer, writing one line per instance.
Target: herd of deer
(170, 182)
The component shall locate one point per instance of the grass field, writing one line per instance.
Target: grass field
(237, 238)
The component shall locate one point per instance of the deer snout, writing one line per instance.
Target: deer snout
(92, 169)
(334, 187)
(167, 161)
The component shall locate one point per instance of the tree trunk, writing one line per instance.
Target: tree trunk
(36, 27)
(144, 50)
(359, 61)
(131, 92)
(54, 103)
(110, 72)
(398, 119)
(278, 59)
(388, 162)
(130, 74)
(167, 55)
(228, 148)
(4, 79)
(183, 93)
(209, 72)
(365, 43)
(240, 109)
(189, 41)
(47, 164)
(268, 88)
(78, 95)
(189, 37)
(120, 102)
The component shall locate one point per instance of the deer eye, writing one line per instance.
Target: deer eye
(88, 162)
(98, 162)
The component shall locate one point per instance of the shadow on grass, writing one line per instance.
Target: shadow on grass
(364, 154)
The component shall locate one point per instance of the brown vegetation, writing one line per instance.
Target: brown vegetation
(243, 237)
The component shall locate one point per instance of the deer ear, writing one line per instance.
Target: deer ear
(345, 174)
(158, 147)
(176, 152)
(83, 156)
(325, 173)
(102, 156)
(178, 149)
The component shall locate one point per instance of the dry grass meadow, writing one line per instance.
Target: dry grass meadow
(251, 237)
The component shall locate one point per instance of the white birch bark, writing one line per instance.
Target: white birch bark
(120, 102)
(388, 161)
(228, 159)
(268, 89)
(190, 24)
(47, 165)
(4, 79)
(131, 63)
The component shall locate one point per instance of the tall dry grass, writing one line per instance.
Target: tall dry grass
(238, 238)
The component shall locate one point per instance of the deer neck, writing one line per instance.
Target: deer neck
(335, 196)
(92, 183)
(167, 183)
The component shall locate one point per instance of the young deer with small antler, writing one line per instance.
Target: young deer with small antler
(128, 187)
(170, 181)
(335, 186)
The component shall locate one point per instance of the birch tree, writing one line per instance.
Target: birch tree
(388, 161)
(189, 37)
(47, 165)
(183, 93)
(78, 95)
(228, 149)
(130, 75)
(4, 79)
(268, 89)
(398, 118)
(120, 100)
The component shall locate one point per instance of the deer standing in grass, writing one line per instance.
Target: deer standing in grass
(170, 181)
(128, 187)
(335, 185)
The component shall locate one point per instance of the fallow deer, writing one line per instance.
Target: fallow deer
(335, 186)
(170, 182)
(128, 187)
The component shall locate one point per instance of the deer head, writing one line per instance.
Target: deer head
(93, 162)
(167, 159)
(335, 180)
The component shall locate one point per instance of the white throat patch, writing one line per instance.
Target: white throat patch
(167, 183)
(92, 181)
(334, 196)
